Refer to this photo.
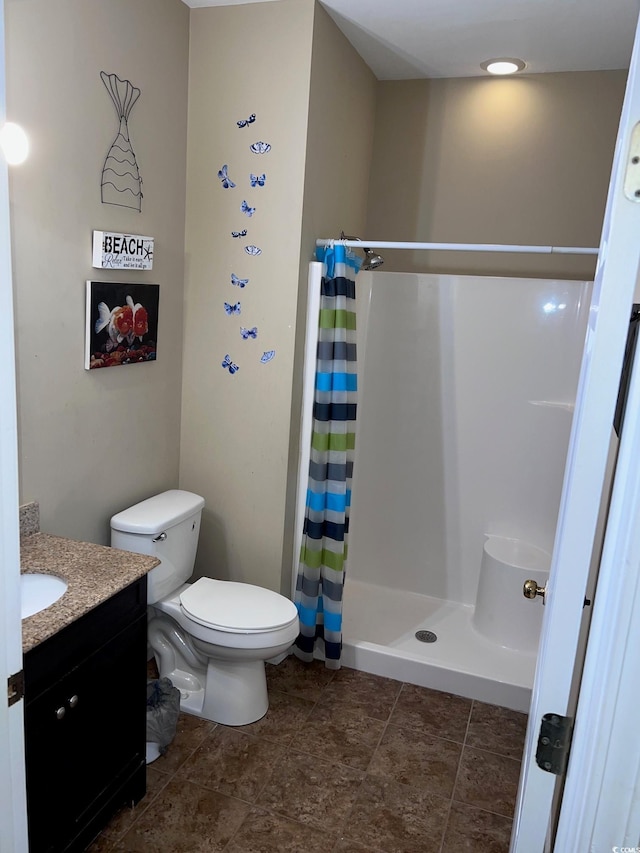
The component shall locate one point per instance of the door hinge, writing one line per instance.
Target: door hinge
(15, 688)
(631, 185)
(554, 740)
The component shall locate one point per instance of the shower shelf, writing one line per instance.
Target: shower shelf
(554, 404)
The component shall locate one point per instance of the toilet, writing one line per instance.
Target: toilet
(211, 637)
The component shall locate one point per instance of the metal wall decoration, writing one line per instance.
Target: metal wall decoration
(225, 180)
(247, 122)
(231, 366)
(121, 183)
(248, 208)
(260, 147)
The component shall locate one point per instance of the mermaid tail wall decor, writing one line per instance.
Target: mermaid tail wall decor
(121, 182)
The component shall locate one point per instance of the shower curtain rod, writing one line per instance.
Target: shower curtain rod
(462, 247)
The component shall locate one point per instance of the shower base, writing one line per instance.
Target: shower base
(379, 626)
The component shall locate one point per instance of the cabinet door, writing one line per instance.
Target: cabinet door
(85, 736)
(47, 765)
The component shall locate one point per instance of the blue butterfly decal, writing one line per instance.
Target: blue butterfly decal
(267, 356)
(239, 282)
(247, 122)
(260, 147)
(232, 366)
(244, 207)
(248, 333)
(242, 233)
(257, 180)
(252, 250)
(232, 309)
(227, 183)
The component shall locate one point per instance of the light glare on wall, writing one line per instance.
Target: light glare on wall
(14, 143)
(553, 307)
(505, 65)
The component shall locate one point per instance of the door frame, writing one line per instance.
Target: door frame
(13, 809)
(600, 799)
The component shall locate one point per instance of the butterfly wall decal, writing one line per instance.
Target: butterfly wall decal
(231, 365)
(267, 356)
(242, 233)
(247, 122)
(232, 309)
(252, 250)
(244, 207)
(227, 183)
(248, 333)
(257, 180)
(239, 282)
(260, 147)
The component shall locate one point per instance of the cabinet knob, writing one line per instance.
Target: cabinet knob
(73, 701)
(61, 712)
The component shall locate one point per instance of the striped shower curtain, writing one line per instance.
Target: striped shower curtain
(323, 552)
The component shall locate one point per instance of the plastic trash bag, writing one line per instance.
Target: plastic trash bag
(163, 708)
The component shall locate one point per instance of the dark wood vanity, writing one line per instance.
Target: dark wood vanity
(85, 722)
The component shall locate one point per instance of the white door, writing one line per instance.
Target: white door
(613, 293)
(13, 820)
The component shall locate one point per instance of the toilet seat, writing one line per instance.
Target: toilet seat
(236, 608)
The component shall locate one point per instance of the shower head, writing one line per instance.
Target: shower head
(371, 260)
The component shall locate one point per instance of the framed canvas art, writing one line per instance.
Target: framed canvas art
(121, 324)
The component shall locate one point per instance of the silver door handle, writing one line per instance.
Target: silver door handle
(160, 538)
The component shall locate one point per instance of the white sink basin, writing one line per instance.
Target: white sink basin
(39, 591)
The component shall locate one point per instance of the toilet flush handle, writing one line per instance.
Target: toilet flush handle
(160, 538)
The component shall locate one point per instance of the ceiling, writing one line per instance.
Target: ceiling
(408, 39)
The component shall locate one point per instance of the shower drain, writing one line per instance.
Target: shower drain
(426, 636)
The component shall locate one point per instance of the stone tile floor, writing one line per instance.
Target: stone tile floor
(343, 762)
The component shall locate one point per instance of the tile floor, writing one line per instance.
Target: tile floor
(343, 762)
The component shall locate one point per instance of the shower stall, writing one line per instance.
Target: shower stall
(466, 393)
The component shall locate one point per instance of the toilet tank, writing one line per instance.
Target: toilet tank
(165, 526)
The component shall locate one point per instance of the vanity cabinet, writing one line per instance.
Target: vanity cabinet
(85, 722)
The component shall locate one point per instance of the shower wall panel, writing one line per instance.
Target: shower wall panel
(398, 514)
(517, 350)
(467, 387)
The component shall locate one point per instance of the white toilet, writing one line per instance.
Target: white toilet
(211, 638)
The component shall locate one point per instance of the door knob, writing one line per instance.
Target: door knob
(531, 590)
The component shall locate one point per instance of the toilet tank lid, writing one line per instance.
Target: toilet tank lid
(157, 513)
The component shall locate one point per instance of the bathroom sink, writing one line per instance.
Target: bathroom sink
(39, 591)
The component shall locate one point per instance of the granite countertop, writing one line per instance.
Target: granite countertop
(93, 573)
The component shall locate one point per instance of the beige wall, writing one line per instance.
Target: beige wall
(235, 428)
(91, 443)
(342, 103)
(522, 161)
(314, 103)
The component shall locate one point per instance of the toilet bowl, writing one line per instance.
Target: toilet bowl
(216, 661)
(210, 638)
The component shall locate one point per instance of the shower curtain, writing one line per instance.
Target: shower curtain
(323, 551)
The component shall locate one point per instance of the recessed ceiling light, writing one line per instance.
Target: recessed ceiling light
(504, 65)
